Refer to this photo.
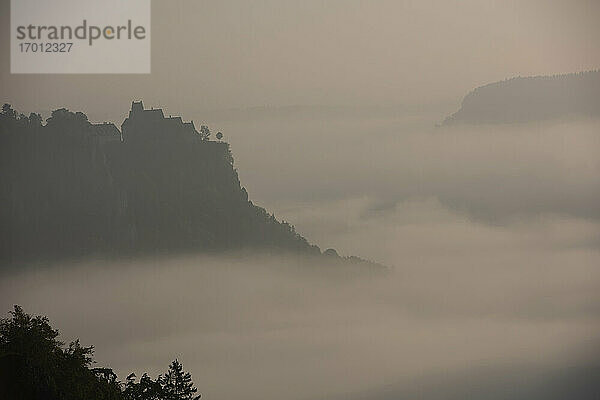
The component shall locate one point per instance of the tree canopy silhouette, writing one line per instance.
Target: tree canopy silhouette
(36, 365)
(177, 384)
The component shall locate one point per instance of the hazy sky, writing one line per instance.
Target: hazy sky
(221, 54)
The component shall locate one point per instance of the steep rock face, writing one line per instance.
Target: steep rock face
(530, 99)
(71, 188)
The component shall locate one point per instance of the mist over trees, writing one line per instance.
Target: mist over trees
(36, 365)
(70, 188)
(523, 99)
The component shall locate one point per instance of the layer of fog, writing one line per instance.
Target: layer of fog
(490, 172)
(270, 327)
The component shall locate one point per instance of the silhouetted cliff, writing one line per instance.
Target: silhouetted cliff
(529, 99)
(70, 188)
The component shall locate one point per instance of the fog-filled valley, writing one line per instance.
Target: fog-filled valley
(387, 187)
(492, 233)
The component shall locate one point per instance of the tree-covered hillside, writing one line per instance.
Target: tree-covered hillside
(531, 99)
(70, 188)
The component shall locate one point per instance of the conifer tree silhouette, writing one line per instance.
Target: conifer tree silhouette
(177, 384)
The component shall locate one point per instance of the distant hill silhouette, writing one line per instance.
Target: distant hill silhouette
(71, 188)
(530, 99)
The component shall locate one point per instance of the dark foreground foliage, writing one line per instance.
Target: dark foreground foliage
(36, 365)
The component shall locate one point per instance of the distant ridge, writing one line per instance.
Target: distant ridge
(531, 99)
(70, 189)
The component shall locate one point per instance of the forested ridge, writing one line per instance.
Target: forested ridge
(524, 99)
(70, 188)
